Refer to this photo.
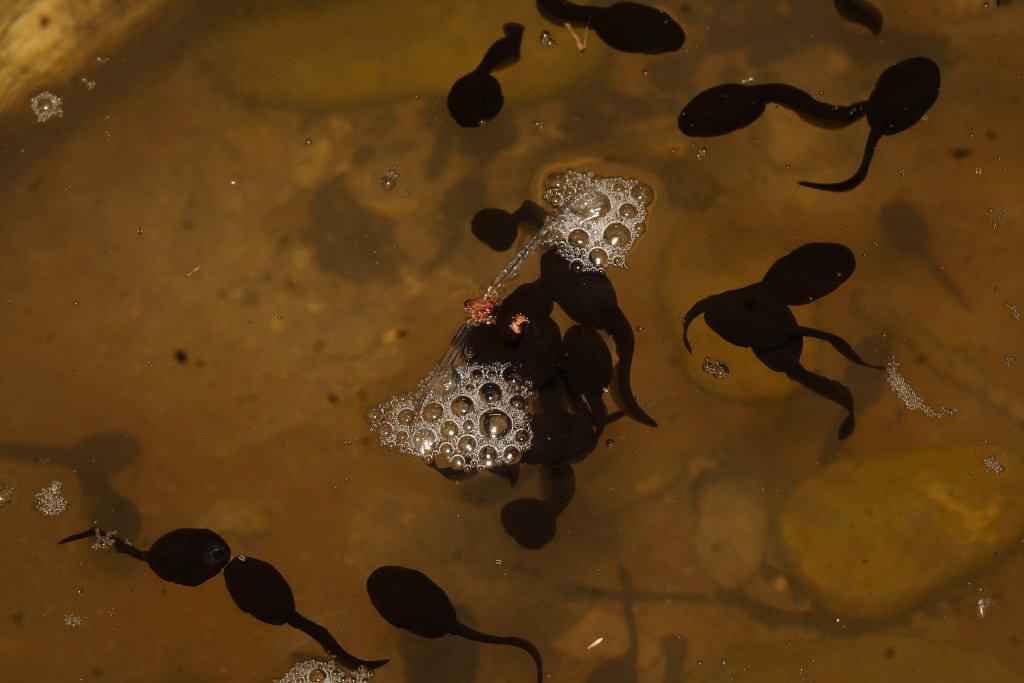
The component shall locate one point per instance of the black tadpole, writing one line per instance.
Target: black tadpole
(589, 298)
(409, 600)
(903, 94)
(533, 522)
(732, 106)
(187, 557)
(259, 589)
(476, 97)
(758, 317)
(860, 12)
(624, 26)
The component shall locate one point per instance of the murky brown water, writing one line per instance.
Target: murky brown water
(203, 287)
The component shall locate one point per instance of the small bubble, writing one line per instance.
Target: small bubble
(6, 495)
(87, 82)
(49, 501)
(72, 620)
(703, 152)
(546, 40)
(538, 126)
(308, 142)
(993, 465)
(46, 106)
(389, 179)
(977, 171)
(902, 173)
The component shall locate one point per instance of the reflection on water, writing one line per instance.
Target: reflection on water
(204, 286)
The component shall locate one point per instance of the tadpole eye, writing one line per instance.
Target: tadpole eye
(216, 553)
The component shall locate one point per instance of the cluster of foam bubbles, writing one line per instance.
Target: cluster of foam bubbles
(472, 417)
(597, 220)
(324, 671)
(50, 502)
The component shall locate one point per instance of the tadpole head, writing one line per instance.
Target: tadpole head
(749, 317)
(531, 522)
(631, 27)
(720, 110)
(495, 228)
(585, 360)
(903, 94)
(809, 272)
(259, 589)
(409, 600)
(188, 556)
(475, 99)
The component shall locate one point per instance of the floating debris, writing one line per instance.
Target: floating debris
(389, 179)
(87, 82)
(50, 502)
(1014, 311)
(909, 397)
(595, 643)
(104, 540)
(324, 671)
(714, 368)
(46, 106)
(538, 126)
(993, 465)
(72, 620)
(702, 153)
(983, 605)
(6, 495)
(1008, 360)
(547, 40)
(997, 217)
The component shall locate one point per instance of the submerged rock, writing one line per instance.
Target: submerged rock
(731, 530)
(333, 54)
(871, 536)
(852, 660)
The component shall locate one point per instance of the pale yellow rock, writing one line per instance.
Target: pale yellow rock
(892, 659)
(43, 43)
(873, 535)
(330, 55)
(732, 526)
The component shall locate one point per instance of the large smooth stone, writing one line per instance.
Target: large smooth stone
(852, 660)
(342, 53)
(732, 526)
(871, 536)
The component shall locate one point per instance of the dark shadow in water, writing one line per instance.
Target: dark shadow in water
(444, 660)
(191, 557)
(758, 317)
(624, 26)
(350, 240)
(476, 98)
(622, 669)
(498, 229)
(259, 589)
(407, 599)
(903, 94)
(94, 460)
(673, 651)
(908, 231)
(860, 12)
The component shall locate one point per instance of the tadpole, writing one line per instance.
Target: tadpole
(758, 317)
(624, 26)
(409, 600)
(903, 94)
(259, 589)
(476, 98)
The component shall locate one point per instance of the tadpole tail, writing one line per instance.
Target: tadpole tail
(120, 546)
(831, 115)
(827, 388)
(562, 10)
(858, 177)
(840, 345)
(459, 629)
(625, 342)
(329, 644)
(504, 51)
(695, 311)
(88, 533)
